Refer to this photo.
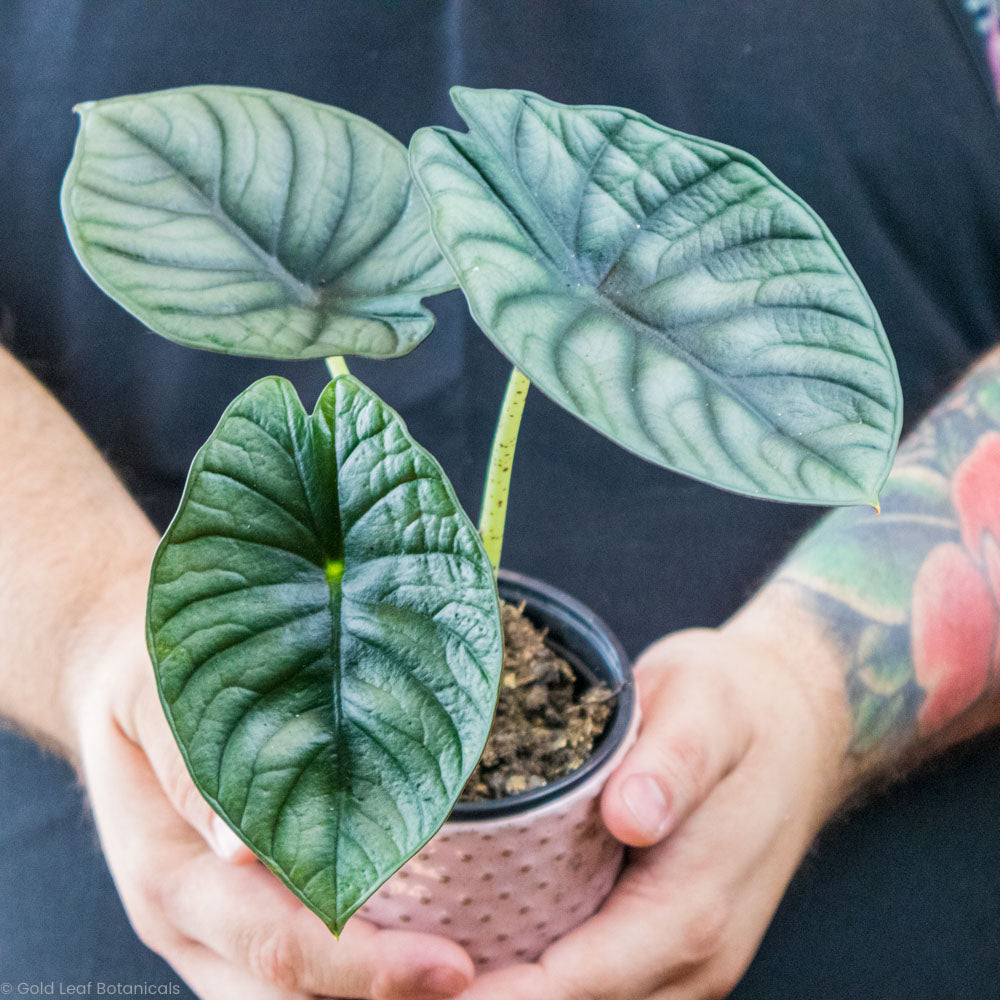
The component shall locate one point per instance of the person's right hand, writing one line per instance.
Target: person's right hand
(192, 891)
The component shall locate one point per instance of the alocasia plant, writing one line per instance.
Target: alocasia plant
(323, 617)
(667, 290)
(252, 222)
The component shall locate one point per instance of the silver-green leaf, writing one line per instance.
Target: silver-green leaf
(324, 628)
(253, 222)
(669, 291)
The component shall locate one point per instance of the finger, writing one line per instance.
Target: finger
(142, 836)
(243, 912)
(213, 978)
(693, 734)
(252, 920)
(669, 930)
(153, 734)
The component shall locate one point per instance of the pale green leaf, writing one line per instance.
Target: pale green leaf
(667, 290)
(252, 222)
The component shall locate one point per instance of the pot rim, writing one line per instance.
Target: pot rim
(612, 666)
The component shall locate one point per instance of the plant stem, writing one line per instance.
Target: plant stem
(494, 511)
(337, 366)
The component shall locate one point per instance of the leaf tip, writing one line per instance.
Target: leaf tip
(468, 100)
(459, 94)
(83, 106)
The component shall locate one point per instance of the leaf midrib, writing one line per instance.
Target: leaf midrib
(304, 293)
(337, 711)
(556, 245)
(709, 374)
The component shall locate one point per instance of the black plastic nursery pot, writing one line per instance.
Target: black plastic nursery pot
(595, 654)
(507, 877)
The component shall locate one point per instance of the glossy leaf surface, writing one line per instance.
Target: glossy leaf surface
(324, 627)
(253, 222)
(667, 290)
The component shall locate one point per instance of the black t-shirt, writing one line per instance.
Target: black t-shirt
(881, 115)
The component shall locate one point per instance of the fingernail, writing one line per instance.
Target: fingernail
(225, 843)
(439, 983)
(643, 797)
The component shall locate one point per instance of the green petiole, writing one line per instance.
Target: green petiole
(337, 366)
(494, 510)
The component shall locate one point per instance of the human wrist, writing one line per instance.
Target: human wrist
(807, 660)
(106, 661)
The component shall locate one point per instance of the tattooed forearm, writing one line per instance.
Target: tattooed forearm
(913, 594)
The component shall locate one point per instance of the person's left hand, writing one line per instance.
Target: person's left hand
(739, 763)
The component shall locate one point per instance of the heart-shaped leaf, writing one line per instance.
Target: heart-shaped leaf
(324, 626)
(252, 222)
(667, 290)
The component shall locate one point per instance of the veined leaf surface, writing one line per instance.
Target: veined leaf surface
(253, 222)
(667, 290)
(324, 627)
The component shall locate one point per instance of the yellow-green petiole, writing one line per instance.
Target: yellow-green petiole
(494, 511)
(337, 366)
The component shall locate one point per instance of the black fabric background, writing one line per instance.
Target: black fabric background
(879, 115)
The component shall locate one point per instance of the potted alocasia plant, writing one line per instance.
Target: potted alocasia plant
(323, 616)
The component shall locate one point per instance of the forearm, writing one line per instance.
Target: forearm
(908, 601)
(74, 549)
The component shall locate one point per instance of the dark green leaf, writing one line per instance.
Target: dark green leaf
(252, 222)
(669, 291)
(324, 626)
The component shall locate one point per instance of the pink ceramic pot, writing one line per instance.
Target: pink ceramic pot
(505, 879)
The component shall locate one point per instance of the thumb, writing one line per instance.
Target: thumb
(151, 732)
(693, 734)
